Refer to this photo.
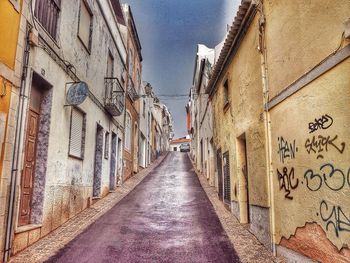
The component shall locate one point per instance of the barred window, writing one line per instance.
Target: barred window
(77, 134)
(47, 12)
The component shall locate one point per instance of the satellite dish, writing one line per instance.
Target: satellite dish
(77, 93)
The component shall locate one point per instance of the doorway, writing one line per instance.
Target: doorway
(227, 179)
(219, 169)
(202, 156)
(242, 168)
(98, 162)
(136, 150)
(28, 173)
(36, 140)
(120, 161)
(113, 170)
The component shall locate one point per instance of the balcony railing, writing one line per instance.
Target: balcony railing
(132, 91)
(114, 100)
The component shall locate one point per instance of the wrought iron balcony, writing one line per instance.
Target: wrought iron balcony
(114, 100)
(132, 91)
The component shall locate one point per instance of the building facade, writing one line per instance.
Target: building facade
(133, 86)
(280, 142)
(202, 121)
(69, 98)
(70, 110)
(12, 49)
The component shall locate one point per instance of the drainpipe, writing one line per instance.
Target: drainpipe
(16, 152)
(267, 122)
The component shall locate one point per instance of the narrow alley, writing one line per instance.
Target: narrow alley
(172, 220)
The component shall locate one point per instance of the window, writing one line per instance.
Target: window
(138, 80)
(226, 94)
(110, 62)
(85, 25)
(47, 12)
(131, 63)
(128, 131)
(106, 145)
(144, 109)
(77, 134)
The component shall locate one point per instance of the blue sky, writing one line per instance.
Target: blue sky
(169, 31)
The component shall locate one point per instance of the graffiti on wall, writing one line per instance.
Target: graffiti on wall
(324, 122)
(286, 150)
(320, 144)
(327, 176)
(287, 182)
(333, 178)
(334, 216)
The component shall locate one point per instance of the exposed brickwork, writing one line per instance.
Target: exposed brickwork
(311, 241)
(49, 245)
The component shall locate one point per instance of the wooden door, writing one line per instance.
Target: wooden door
(28, 171)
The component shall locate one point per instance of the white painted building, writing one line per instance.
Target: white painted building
(202, 149)
(176, 143)
(72, 154)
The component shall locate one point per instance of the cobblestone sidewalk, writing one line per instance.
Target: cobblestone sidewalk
(57, 239)
(248, 248)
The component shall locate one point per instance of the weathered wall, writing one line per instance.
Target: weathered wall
(67, 183)
(11, 50)
(128, 155)
(244, 116)
(299, 34)
(309, 129)
(311, 166)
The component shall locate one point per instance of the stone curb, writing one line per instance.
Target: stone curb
(49, 245)
(247, 246)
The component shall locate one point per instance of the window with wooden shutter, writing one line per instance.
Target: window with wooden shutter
(227, 183)
(47, 13)
(77, 134)
(85, 25)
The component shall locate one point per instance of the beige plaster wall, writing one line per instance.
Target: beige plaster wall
(299, 34)
(244, 115)
(311, 177)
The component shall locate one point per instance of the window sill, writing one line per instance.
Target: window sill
(46, 36)
(76, 157)
(26, 228)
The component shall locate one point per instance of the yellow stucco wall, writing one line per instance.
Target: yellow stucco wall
(310, 180)
(299, 34)
(245, 115)
(309, 189)
(5, 88)
(9, 26)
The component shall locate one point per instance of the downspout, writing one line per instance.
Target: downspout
(16, 151)
(267, 122)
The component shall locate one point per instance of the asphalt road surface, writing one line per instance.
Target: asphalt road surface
(166, 218)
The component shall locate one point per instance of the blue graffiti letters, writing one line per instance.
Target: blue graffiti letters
(334, 216)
